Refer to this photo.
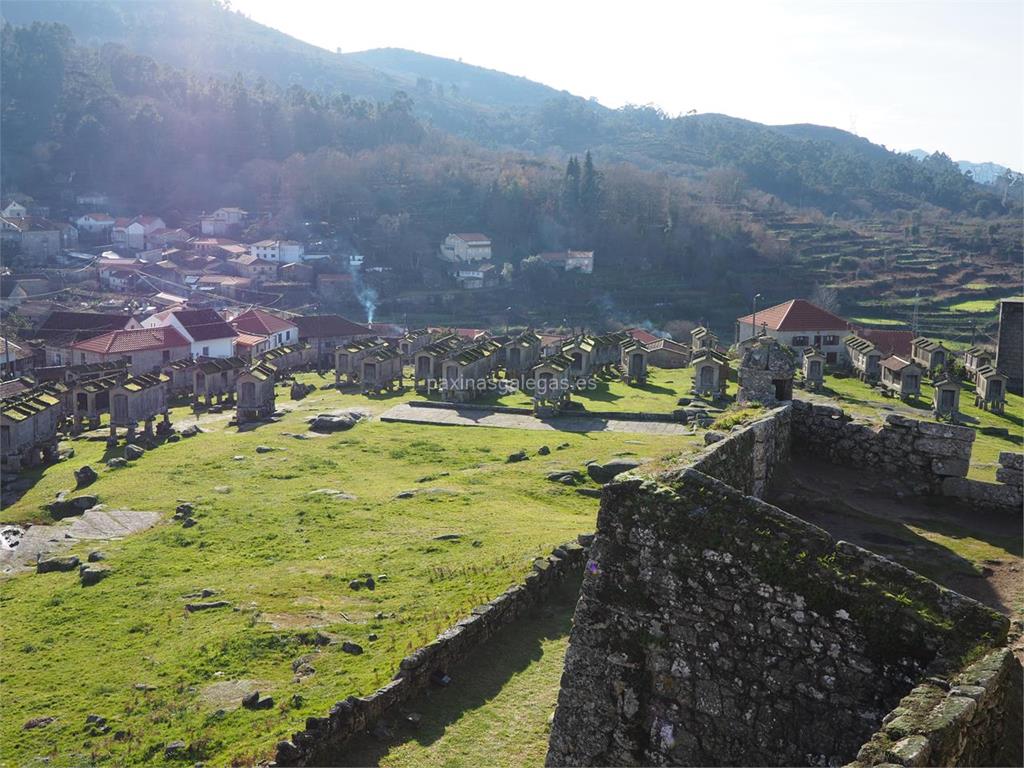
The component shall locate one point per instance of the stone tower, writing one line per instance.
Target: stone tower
(1010, 344)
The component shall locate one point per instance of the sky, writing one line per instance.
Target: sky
(946, 76)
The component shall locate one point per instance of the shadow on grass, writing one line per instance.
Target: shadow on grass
(475, 683)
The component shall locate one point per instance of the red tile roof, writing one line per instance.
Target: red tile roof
(644, 337)
(888, 342)
(261, 322)
(472, 237)
(80, 325)
(201, 324)
(249, 339)
(132, 341)
(796, 315)
(312, 326)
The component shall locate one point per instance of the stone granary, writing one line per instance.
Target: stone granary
(766, 373)
(255, 393)
(864, 358)
(666, 353)
(348, 357)
(521, 354)
(180, 377)
(550, 384)
(975, 358)
(29, 422)
(946, 399)
(429, 361)
(813, 366)
(710, 372)
(215, 378)
(412, 342)
(702, 338)
(580, 349)
(990, 389)
(1010, 344)
(469, 371)
(381, 370)
(139, 399)
(901, 377)
(930, 355)
(90, 399)
(634, 362)
(607, 352)
(289, 358)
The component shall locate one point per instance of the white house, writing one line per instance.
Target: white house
(798, 324)
(276, 331)
(221, 221)
(281, 251)
(466, 246)
(209, 335)
(92, 198)
(140, 228)
(95, 222)
(570, 261)
(15, 210)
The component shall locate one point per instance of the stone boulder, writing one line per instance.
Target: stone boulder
(516, 457)
(191, 431)
(117, 463)
(604, 473)
(713, 437)
(58, 564)
(327, 422)
(85, 476)
(89, 575)
(76, 505)
(133, 452)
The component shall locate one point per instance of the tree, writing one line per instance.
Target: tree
(826, 297)
(590, 190)
(571, 188)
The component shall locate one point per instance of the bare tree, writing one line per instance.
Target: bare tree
(825, 297)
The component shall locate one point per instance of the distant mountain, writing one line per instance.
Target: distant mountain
(983, 173)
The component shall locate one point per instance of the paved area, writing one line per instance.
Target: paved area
(473, 417)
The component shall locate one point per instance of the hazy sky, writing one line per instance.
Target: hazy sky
(936, 75)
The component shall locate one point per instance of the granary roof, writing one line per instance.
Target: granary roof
(182, 365)
(927, 344)
(859, 344)
(475, 352)
(277, 352)
(13, 387)
(98, 385)
(558, 362)
(132, 341)
(145, 381)
(586, 343)
(989, 372)
(812, 352)
(668, 345)
(262, 371)
(796, 315)
(644, 337)
(26, 404)
(218, 364)
(358, 345)
(260, 321)
(897, 364)
(711, 354)
(312, 326)
(382, 354)
(977, 352)
(441, 345)
(526, 338)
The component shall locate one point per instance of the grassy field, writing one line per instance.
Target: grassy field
(283, 556)
(858, 398)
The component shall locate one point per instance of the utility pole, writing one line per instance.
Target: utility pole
(913, 322)
(753, 324)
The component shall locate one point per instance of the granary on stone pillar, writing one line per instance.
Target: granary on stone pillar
(607, 353)
(348, 357)
(580, 349)
(289, 358)
(215, 378)
(550, 384)
(975, 358)
(412, 342)
(633, 359)
(946, 399)
(766, 373)
(139, 400)
(864, 358)
(930, 355)
(469, 371)
(89, 371)
(710, 372)
(381, 370)
(29, 422)
(429, 361)
(990, 389)
(901, 378)
(180, 377)
(702, 338)
(813, 365)
(90, 399)
(521, 354)
(255, 394)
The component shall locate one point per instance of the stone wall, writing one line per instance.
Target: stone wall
(1005, 494)
(715, 629)
(746, 459)
(324, 739)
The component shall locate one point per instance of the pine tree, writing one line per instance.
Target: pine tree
(590, 190)
(571, 188)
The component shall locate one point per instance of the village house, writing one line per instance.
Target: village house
(14, 210)
(901, 377)
(946, 396)
(278, 251)
(223, 221)
(634, 358)
(468, 371)
(551, 384)
(215, 246)
(215, 378)
(229, 286)
(145, 349)
(36, 238)
(119, 232)
(255, 394)
(990, 389)
(813, 369)
(466, 247)
(62, 329)
(167, 237)
(976, 358)
(930, 355)
(710, 372)
(477, 274)
(253, 267)
(569, 261)
(325, 333)
(666, 353)
(15, 359)
(348, 358)
(138, 230)
(258, 322)
(95, 223)
(297, 272)
(207, 332)
(139, 399)
(798, 324)
(93, 198)
(29, 422)
(14, 290)
(429, 361)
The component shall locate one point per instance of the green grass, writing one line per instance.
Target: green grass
(858, 398)
(876, 321)
(283, 558)
(975, 306)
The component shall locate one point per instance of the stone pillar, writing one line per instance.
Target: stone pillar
(112, 438)
(130, 436)
(147, 428)
(50, 452)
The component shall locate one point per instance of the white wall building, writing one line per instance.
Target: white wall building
(281, 251)
(466, 247)
(209, 335)
(798, 324)
(95, 222)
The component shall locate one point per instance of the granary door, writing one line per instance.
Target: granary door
(815, 369)
(514, 357)
(707, 377)
(119, 411)
(369, 372)
(422, 367)
(946, 399)
(247, 393)
(637, 366)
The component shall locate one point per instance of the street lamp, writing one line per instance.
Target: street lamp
(753, 324)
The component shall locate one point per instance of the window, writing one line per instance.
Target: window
(287, 334)
(206, 351)
(830, 341)
(81, 357)
(830, 358)
(166, 355)
(799, 341)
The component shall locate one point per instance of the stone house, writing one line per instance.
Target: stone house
(569, 261)
(208, 333)
(255, 268)
(710, 372)
(14, 291)
(139, 399)
(223, 221)
(428, 363)
(976, 358)
(381, 370)
(946, 397)
(325, 333)
(255, 393)
(29, 422)
(864, 358)
(930, 355)
(466, 247)
(14, 210)
(347, 358)
(39, 239)
(469, 371)
(990, 389)
(60, 330)
(666, 353)
(278, 251)
(813, 369)
(215, 378)
(145, 349)
(798, 324)
(901, 377)
(765, 373)
(551, 384)
(633, 359)
(15, 359)
(138, 230)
